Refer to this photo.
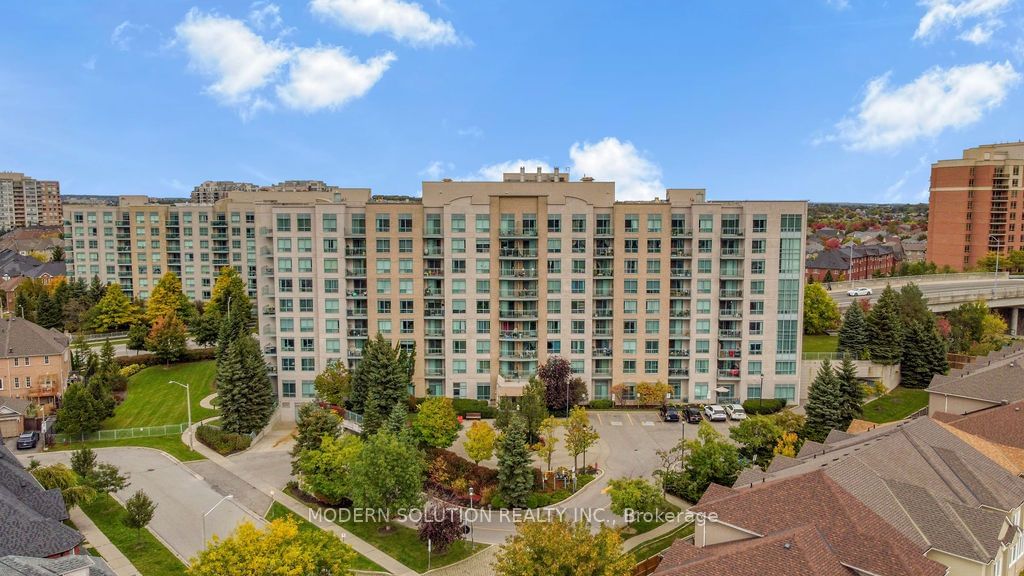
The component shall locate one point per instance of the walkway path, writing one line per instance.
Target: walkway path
(98, 540)
(208, 402)
(251, 484)
(478, 564)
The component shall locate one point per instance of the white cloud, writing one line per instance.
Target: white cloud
(90, 64)
(939, 99)
(124, 34)
(265, 15)
(838, 4)
(471, 131)
(327, 77)
(238, 59)
(404, 21)
(980, 33)
(436, 170)
(635, 177)
(941, 14)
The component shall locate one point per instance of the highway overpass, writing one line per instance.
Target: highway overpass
(945, 292)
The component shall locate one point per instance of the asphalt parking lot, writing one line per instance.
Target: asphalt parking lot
(640, 435)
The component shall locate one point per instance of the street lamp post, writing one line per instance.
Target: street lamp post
(470, 497)
(995, 277)
(188, 408)
(210, 511)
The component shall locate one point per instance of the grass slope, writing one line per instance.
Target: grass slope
(153, 401)
(661, 543)
(896, 405)
(144, 551)
(278, 510)
(821, 343)
(170, 444)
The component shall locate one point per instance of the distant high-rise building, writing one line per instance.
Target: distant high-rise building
(213, 190)
(486, 280)
(26, 201)
(975, 206)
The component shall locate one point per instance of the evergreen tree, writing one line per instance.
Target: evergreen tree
(885, 329)
(50, 314)
(24, 305)
(824, 405)
(924, 355)
(233, 326)
(533, 407)
(851, 393)
(913, 305)
(380, 381)
(96, 290)
(853, 337)
(314, 424)
(515, 472)
(398, 423)
(246, 397)
(79, 413)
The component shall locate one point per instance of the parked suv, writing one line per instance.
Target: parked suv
(692, 415)
(669, 414)
(28, 440)
(715, 413)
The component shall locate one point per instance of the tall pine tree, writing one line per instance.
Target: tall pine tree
(515, 473)
(924, 355)
(885, 329)
(246, 396)
(824, 404)
(380, 381)
(853, 334)
(851, 393)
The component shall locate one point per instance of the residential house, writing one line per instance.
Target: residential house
(12, 416)
(67, 566)
(867, 262)
(914, 250)
(953, 502)
(986, 382)
(31, 518)
(997, 432)
(34, 362)
(758, 531)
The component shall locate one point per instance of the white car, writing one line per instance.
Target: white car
(859, 292)
(715, 413)
(735, 412)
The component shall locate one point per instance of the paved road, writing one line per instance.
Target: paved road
(182, 497)
(983, 288)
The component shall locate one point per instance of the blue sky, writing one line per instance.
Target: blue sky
(817, 99)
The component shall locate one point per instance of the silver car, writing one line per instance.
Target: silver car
(715, 413)
(859, 292)
(735, 412)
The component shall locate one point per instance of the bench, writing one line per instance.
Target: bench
(472, 416)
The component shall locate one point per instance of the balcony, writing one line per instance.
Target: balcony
(603, 352)
(680, 253)
(434, 372)
(270, 350)
(683, 372)
(508, 355)
(679, 353)
(679, 314)
(513, 253)
(518, 314)
(437, 333)
(355, 252)
(732, 231)
(731, 273)
(356, 231)
(604, 252)
(603, 313)
(730, 313)
(356, 312)
(355, 272)
(433, 230)
(355, 353)
(520, 273)
(517, 233)
(682, 232)
(604, 231)
(602, 332)
(680, 273)
(604, 293)
(679, 293)
(268, 270)
(434, 312)
(731, 374)
(518, 335)
(432, 293)
(730, 334)
(433, 352)
(431, 272)
(732, 253)
(355, 293)
(269, 310)
(524, 293)
(730, 293)
(358, 333)
(603, 272)
(730, 353)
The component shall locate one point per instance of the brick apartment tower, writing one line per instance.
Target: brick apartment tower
(975, 205)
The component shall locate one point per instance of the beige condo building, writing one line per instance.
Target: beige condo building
(25, 201)
(486, 280)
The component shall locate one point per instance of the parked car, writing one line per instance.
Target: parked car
(692, 415)
(735, 412)
(859, 292)
(715, 413)
(669, 414)
(28, 440)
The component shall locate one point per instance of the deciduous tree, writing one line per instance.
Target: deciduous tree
(60, 477)
(280, 548)
(479, 443)
(633, 494)
(441, 526)
(114, 311)
(559, 547)
(387, 475)
(709, 458)
(556, 374)
(757, 436)
(325, 472)
(547, 432)
(313, 425)
(821, 313)
(436, 424)
(168, 339)
(334, 384)
(167, 298)
(652, 393)
(579, 434)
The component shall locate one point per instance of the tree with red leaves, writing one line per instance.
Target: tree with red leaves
(442, 526)
(556, 374)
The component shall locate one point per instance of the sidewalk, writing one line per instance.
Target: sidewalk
(96, 539)
(665, 528)
(357, 544)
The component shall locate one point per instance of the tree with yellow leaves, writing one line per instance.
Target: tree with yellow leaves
(786, 446)
(280, 549)
(560, 547)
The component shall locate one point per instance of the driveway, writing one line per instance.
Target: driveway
(182, 497)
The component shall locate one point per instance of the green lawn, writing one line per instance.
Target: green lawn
(646, 526)
(821, 343)
(170, 444)
(661, 543)
(896, 405)
(278, 510)
(143, 550)
(153, 401)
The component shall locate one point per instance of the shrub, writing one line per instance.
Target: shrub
(448, 468)
(600, 404)
(465, 406)
(131, 370)
(223, 442)
(151, 359)
(764, 406)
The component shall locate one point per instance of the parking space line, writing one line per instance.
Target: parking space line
(648, 423)
(616, 422)
(630, 418)
(599, 420)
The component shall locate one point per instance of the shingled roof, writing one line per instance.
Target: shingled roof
(936, 489)
(32, 517)
(853, 534)
(64, 566)
(19, 337)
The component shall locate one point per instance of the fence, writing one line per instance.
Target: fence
(647, 566)
(122, 433)
(826, 356)
(104, 336)
(922, 278)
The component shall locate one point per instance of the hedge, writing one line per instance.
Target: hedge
(151, 359)
(600, 404)
(223, 442)
(465, 406)
(764, 406)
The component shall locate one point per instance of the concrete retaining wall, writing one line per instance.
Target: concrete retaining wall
(888, 375)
